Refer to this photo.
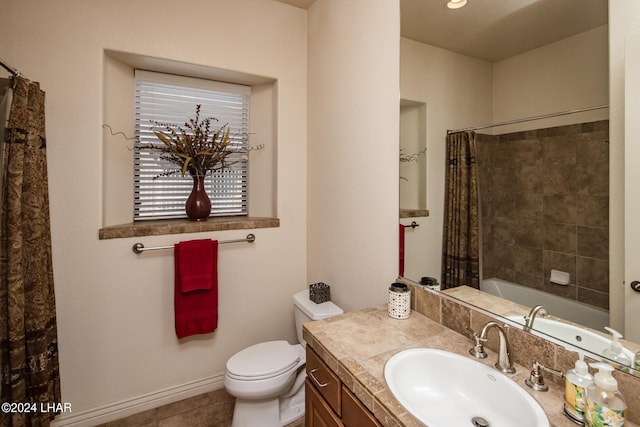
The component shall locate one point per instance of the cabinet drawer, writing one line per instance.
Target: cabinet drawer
(325, 381)
(354, 413)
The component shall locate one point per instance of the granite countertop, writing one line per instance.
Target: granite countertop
(357, 345)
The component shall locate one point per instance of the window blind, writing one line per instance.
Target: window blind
(172, 99)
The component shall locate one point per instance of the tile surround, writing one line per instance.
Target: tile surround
(545, 205)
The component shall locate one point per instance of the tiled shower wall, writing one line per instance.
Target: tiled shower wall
(545, 205)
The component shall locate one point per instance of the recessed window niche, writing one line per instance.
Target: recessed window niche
(118, 131)
(413, 158)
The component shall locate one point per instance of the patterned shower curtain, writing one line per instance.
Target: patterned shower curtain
(460, 251)
(28, 331)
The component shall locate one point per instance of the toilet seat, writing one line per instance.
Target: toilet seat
(262, 361)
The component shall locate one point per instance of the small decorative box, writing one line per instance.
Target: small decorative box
(399, 301)
(319, 292)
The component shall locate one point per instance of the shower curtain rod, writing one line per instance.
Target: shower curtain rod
(9, 68)
(528, 119)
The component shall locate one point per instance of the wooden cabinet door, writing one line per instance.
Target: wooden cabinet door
(354, 413)
(317, 412)
(325, 380)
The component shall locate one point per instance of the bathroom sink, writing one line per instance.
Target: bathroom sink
(444, 389)
(571, 334)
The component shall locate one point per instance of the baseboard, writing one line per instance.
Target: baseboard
(125, 408)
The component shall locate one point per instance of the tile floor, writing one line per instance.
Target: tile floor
(214, 409)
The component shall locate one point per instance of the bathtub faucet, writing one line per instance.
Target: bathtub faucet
(535, 311)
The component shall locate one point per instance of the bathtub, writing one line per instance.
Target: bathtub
(577, 336)
(574, 311)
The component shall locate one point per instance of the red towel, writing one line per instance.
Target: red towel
(401, 254)
(196, 287)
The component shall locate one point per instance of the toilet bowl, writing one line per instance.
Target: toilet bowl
(264, 370)
(267, 379)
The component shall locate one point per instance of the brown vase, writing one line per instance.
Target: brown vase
(198, 205)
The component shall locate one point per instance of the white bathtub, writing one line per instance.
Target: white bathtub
(577, 336)
(574, 311)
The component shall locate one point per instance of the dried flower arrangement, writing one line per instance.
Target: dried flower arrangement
(196, 148)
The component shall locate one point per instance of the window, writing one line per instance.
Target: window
(172, 99)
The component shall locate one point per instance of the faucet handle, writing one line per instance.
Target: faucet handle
(478, 348)
(536, 381)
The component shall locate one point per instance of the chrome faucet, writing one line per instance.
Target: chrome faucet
(536, 381)
(504, 359)
(535, 311)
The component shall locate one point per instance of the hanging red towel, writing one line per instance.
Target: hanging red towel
(401, 254)
(196, 287)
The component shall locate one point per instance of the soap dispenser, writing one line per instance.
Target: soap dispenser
(605, 405)
(615, 352)
(576, 382)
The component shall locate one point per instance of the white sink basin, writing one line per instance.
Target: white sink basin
(445, 389)
(571, 334)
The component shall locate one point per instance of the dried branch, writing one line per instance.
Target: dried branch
(412, 157)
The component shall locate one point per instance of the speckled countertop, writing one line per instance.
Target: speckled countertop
(357, 345)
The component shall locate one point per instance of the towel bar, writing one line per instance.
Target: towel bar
(413, 225)
(138, 248)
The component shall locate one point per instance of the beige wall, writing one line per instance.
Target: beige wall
(115, 309)
(457, 90)
(353, 148)
(566, 75)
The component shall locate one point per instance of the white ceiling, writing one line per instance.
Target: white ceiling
(494, 29)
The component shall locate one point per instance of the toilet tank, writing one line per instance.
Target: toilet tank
(306, 310)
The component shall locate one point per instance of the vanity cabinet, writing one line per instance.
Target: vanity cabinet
(329, 403)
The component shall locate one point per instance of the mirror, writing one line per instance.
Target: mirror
(489, 62)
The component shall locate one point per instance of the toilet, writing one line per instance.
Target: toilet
(267, 379)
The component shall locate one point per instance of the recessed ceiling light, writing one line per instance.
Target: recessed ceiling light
(456, 4)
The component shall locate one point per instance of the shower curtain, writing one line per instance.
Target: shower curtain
(461, 249)
(6, 97)
(28, 331)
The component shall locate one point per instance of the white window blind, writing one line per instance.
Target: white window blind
(172, 99)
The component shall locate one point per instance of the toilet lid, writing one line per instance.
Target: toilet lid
(266, 359)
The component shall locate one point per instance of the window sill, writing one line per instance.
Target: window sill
(413, 213)
(179, 226)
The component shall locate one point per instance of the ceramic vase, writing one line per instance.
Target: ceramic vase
(198, 206)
